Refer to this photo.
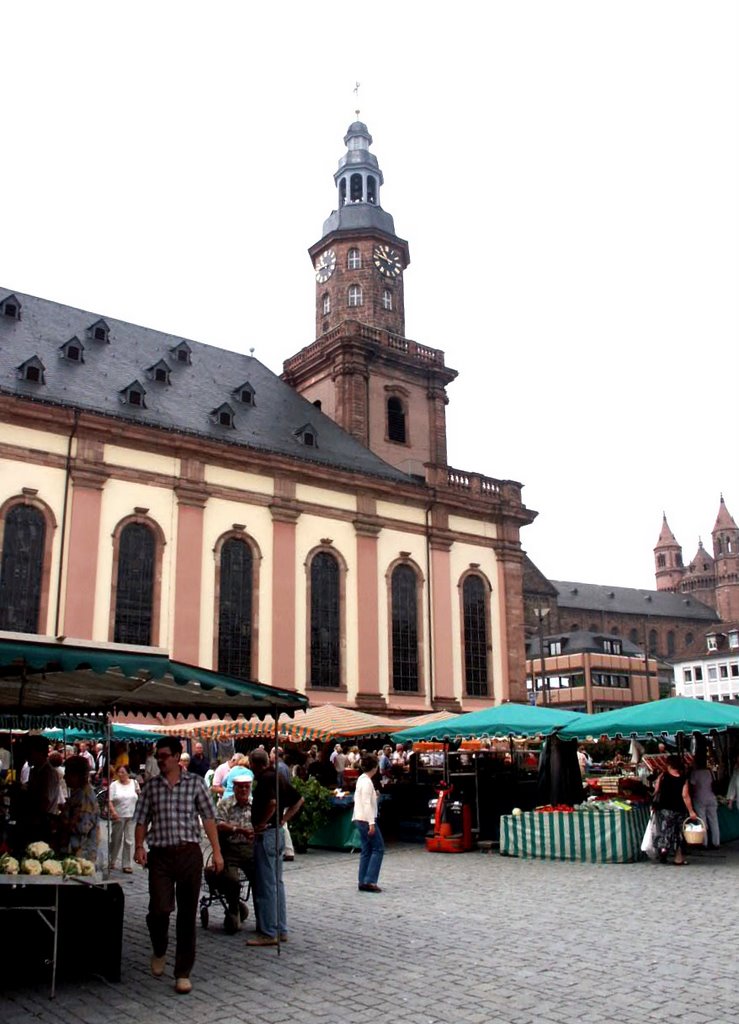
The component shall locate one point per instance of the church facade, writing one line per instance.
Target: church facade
(304, 530)
(711, 576)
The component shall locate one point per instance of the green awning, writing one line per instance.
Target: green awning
(44, 677)
(656, 718)
(490, 723)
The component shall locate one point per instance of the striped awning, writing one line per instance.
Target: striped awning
(602, 836)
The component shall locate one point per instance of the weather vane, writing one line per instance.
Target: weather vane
(355, 90)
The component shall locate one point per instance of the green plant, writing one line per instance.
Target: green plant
(314, 814)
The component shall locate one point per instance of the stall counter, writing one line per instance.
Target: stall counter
(599, 836)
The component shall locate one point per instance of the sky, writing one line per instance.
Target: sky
(565, 173)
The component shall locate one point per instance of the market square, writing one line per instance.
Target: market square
(468, 938)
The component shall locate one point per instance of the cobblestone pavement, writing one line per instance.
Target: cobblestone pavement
(452, 938)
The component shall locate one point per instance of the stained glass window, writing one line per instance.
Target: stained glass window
(325, 625)
(235, 609)
(475, 637)
(21, 569)
(134, 604)
(405, 629)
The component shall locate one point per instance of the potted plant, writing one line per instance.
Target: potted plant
(314, 814)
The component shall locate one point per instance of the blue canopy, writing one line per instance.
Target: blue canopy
(500, 721)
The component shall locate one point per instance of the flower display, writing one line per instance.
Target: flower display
(39, 851)
(30, 866)
(9, 865)
(52, 867)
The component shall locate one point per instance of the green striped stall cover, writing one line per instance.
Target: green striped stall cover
(600, 836)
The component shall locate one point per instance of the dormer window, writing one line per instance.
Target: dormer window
(133, 394)
(72, 350)
(159, 372)
(733, 639)
(307, 436)
(99, 331)
(555, 647)
(32, 371)
(612, 646)
(711, 642)
(354, 260)
(223, 416)
(182, 353)
(245, 393)
(11, 308)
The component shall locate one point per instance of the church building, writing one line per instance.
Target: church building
(302, 530)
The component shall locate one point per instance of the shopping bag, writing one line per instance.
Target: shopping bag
(648, 842)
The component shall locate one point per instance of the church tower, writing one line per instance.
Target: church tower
(668, 559)
(725, 536)
(362, 371)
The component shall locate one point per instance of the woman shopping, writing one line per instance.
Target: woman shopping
(124, 795)
(672, 803)
(365, 818)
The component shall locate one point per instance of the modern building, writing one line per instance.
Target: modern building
(711, 578)
(306, 532)
(588, 671)
(710, 671)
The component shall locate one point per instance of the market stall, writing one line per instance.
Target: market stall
(593, 832)
(45, 683)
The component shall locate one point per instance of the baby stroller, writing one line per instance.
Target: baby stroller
(214, 891)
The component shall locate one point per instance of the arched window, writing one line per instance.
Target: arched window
(342, 191)
(21, 568)
(371, 189)
(355, 188)
(634, 636)
(405, 665)
(689, 638)
(235, 608)
(355, 295)
(134, 594)
(661, 561)
(670, 643)
(325, 621)
(326, 303)
(354, 259)
(396, 420)
(475, 636)
(387, 299)
(652, 641)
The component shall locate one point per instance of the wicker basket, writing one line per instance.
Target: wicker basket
(694, 835)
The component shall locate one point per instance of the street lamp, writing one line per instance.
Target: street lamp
(541, 613)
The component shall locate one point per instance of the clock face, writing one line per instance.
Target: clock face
(325, 265)
(387, 260)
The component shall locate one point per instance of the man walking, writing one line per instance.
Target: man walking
(171, 803)
(275, 803)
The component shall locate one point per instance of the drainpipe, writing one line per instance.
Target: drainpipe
(67, 477)
(429, 603)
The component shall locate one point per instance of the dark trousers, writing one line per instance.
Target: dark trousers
(175, 874)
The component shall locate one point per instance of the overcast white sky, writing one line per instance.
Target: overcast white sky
(565, 173)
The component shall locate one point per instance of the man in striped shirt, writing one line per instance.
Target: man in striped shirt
(171, 806)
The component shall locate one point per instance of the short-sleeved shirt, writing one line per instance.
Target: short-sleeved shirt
(173, 811)
(264, 792)
(233, 813)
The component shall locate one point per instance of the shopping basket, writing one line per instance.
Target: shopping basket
(694, 831)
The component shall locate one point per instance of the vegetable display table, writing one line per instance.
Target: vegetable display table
(50, 933)
(598, 835)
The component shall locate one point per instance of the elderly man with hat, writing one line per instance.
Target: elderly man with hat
(235, 831)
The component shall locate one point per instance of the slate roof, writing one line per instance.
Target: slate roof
(579, 641)
(630, 601)
(186, 404)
